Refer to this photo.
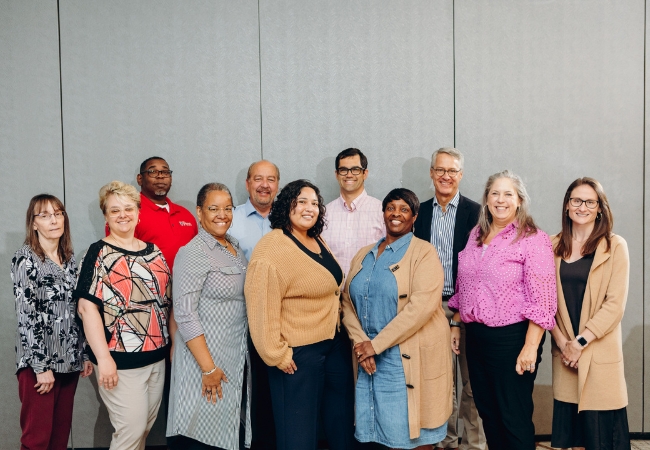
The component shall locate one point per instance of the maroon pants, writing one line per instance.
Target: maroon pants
(46, 419)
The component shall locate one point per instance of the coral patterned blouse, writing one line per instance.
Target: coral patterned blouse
(133, 292)
(508, 281)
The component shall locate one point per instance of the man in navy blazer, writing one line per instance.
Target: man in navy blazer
(446, 221)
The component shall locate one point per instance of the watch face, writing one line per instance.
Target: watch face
(582, 341)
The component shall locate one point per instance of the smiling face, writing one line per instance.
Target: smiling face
(582, 215)
(305, 214)
(503, 201)
(156, 187)
(262, 186)
(351, 185)
(49, 227)
(215, 215)
(121, 215)
(399, 218)
(446, 185)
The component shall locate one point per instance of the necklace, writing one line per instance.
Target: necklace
(134, 247)
(580, 242)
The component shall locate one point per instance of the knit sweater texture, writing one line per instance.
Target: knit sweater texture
(291, 299)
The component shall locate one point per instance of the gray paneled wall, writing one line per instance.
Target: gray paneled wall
(553, 90)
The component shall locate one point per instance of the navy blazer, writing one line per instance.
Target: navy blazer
(466, 219)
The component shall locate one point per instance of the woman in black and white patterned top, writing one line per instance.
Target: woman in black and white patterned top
(49, 344)
(209, 405)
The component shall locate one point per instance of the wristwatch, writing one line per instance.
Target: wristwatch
(582, 341)
(453, 323)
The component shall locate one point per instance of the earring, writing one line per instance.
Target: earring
(567, 213)
(599, 216)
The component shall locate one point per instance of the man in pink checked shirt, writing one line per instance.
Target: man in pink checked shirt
(354, 219)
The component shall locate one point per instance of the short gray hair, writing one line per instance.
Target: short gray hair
(451, 151)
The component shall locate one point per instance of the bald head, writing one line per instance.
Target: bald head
(262, 182)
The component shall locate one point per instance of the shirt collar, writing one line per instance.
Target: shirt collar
(210, 240)
(144, 201)
(354, 203)
(454, 201)
(249, 208)
(395, 246)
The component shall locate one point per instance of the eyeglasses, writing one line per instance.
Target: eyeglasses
(48, 216)
(577, 202)
(440, 172)
(343, 171)
(157, 173)
(115, 212)
(213, 210)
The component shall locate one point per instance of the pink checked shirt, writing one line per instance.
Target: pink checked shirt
(512, 281)
(351, 227)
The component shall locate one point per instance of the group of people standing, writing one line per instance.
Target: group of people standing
(286, 314)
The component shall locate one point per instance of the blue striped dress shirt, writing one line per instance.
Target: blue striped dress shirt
(442, 238)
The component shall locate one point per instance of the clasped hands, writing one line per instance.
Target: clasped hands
(365, 354)
(571, 353)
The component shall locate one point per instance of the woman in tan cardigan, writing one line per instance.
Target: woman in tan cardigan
(592, 267)
(392, 309)
(292, 298)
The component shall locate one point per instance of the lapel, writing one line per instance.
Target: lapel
(460, 226)
(562, 310)
(594, 282)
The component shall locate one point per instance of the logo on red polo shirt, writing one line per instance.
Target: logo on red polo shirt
(184, 224)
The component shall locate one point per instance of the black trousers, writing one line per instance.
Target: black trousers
(262, 424)
(504, 399)
(323, 386)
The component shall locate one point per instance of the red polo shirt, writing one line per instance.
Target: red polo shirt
(168, 230)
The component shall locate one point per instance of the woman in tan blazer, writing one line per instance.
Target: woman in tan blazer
(392, 309)
(592, 268)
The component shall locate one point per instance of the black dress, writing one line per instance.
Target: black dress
(594, 430)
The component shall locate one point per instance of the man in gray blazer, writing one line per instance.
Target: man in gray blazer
(446, 221)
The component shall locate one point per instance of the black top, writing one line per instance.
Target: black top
(573, 277)
(324, 258)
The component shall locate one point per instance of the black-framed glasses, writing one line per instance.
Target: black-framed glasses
(213, 210)
(157, 173)
(577, 203)
(440, 172)
(343, 171)
(48, 216)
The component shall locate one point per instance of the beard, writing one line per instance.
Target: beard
(160, 192)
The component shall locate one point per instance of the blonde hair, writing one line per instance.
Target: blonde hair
(526, 224)
(118, 189)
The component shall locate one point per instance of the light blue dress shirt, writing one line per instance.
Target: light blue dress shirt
(248, 227)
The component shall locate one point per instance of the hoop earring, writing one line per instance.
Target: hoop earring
(567, 213)
(599, 216)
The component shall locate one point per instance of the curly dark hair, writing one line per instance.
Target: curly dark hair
(286, 202)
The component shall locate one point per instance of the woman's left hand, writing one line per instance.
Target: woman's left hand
(571, 353)
(87, 370)
(364, 350)
(526, 359)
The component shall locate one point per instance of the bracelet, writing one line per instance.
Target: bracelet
(453, 323)
(210, 372)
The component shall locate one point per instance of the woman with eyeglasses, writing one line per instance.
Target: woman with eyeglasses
(49, 344)
(592, 270)
(209, 405)
(124, 295)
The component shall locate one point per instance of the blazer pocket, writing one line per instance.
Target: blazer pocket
(602, 356)
(433, 361)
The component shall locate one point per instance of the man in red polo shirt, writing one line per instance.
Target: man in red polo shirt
(166, 224)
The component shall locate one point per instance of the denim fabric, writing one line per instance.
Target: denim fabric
(381, 400)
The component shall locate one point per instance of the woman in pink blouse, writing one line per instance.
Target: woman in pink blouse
(506, 295)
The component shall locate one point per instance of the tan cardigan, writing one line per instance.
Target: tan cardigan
(421, 330)
(291, 300)
(599, 382)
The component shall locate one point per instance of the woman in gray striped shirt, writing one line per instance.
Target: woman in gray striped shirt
(209, 403)
(49, 343)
